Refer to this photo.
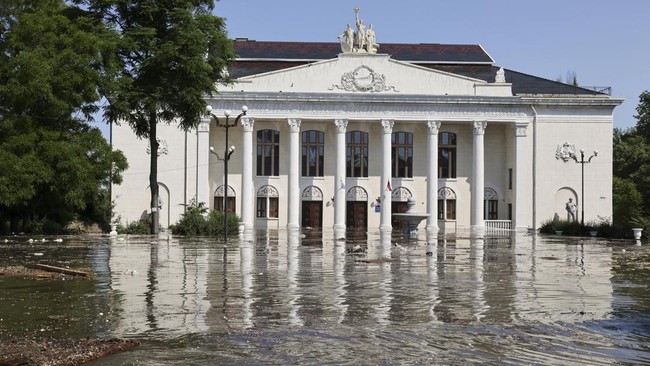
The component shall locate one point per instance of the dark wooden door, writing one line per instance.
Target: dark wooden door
(357, 214)
(398, 207)
(312, 214)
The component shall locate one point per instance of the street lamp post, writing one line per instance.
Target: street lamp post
(582, 162)
(225, 123)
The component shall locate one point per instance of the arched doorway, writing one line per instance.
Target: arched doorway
(312, 207)
(219, 202)
(399, 198)
(356, 208)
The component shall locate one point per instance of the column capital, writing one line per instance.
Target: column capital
(341, 125)
(387, 125)
(521, 129)
(433, 127)
(247, 123)
(479, 127)
(204, 125)
(294, 125)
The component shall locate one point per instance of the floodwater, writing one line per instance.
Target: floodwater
(278, 298)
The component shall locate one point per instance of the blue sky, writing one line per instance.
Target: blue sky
(604, 42)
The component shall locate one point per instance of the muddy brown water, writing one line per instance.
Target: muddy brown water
(277, 298)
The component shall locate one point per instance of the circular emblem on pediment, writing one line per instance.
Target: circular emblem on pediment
(363, 78)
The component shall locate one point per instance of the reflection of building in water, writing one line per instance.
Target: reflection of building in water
(565, 282)
(161, 286)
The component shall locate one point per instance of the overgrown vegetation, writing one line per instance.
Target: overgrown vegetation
(195, 222)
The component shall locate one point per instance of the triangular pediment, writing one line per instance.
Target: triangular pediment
(366, 73)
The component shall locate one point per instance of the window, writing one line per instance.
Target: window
(219, 199)
(447, 155)
(268, 153)
(446, 204)
(356, 154)
(267, 202)
(510, 178)
(402, 155)
(490, 204)
(313, 153)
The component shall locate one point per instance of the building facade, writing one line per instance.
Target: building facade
(341, 135)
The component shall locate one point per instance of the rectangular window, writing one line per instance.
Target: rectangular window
(273, 207)
(447, 155)
(441, 209)
(261, 207)
(356, 154)
(313, 153)
(402, 155)
(510, 178)
(268, 153)
(509, 211)
(218, 204)
(491, 209)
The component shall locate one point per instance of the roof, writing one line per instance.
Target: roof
(256, 57)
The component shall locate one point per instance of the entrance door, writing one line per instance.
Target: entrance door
(398, 207)
(357, 214)
(312, 214)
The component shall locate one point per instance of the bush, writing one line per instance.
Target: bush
(571, 228)
(141, 227)
(195, 223)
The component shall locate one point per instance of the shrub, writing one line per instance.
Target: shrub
(194, 222)
(141, 227)
(571, 228)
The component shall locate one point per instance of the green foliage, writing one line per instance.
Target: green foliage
(643, 116)
(632, 163)
(570, 228)
(169, 55)
(195, 223)
(627, 203)
(141, 227)
(53, 166)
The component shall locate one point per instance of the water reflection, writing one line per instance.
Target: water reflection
(512, 298)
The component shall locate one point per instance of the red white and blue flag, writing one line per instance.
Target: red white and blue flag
(388, 187)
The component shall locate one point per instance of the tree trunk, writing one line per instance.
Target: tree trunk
(153, 173)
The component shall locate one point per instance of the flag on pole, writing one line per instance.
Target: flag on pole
(388, 187)
(341, 183)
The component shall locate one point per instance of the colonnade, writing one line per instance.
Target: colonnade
(433, 126)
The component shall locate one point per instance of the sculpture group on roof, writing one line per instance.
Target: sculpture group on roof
(361, 40)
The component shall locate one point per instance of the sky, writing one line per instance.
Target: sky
(603, 41)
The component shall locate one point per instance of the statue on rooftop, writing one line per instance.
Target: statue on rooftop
(500, 76)
(361, 40)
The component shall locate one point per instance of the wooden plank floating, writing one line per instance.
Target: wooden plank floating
(67, 271)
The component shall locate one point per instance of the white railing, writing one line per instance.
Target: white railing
(498, 226)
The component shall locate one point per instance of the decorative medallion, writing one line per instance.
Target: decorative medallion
(363, 79)
(490, 194)
(267, 191)
(446, 193)
(163, 148)
(312, 193)
(401, 194)
(219, 191)
(566, 152)
(356, 193)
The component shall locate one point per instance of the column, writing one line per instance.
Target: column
(247, 186)
(339, 177)
(478, 179)
(386, 172)
(203, 162)
(432, 177)
(520, 171)
(293, 208)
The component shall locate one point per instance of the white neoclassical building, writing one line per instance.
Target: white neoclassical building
(342, 134)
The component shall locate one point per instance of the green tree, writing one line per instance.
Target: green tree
(643, 116)
(171, 54)
(52, 164)
(627, 203)
(632, 162)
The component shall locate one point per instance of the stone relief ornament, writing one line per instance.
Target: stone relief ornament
(312, 193)
(163, 147)
(566, 152)
(363, 79)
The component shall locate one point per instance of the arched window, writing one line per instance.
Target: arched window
(268, 153)
(313, 153)
(446, 204)
(402, 155)
(447, 155)
(490, 204)
(219, 199)
(267, 202)
(356, 154)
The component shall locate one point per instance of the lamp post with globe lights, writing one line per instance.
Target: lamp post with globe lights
(225, 122)
(582, 162)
